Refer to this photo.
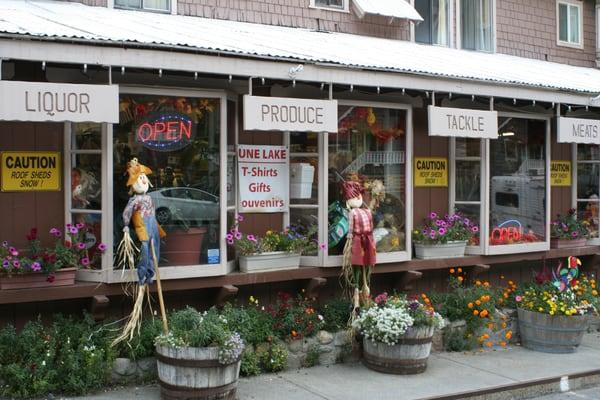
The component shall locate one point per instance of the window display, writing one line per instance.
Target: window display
(518, 182)
(369, 148)
(178, 139)
(467, 176)
(588, 183)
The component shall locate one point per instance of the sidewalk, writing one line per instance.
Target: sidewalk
(510, 373)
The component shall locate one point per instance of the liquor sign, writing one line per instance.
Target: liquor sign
(431, 172)
(58, 102)
(578, 130)
(290, 114)
(165, 131)
(264, 175)
(460, 122)
(560, 173)
(31, 171)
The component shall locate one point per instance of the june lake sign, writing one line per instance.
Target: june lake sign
(578, 130)
(290, 114)
(58, 102)
(460, 122)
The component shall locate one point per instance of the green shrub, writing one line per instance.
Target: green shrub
(254, 325)
(142, 345)
(250, 365)
(336, 314)
(273, 358)
(295, 318)
(312, 356)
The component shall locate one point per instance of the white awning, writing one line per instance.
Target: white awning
(388, 8)
(332, 54)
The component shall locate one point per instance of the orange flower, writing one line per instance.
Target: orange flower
(470, 305)
(508, 335)
(475, 312)
(294, 333)
(459, 270)
(478, 302)
(483, 313)
(451, 270)
(460, 278)
(511, 283)
(490, 326)
(486, 284)
(504, 325)
(478, 283)
(489, 344)
(501, 276)
(423, 296)
(503, 344)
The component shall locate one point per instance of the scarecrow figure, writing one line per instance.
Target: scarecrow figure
(140, 212)
(359, 251)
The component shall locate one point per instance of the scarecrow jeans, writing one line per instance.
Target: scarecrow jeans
(145, 267)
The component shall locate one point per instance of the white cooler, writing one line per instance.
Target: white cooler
(301, 180)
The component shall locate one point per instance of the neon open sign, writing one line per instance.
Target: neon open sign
(165, 132)
(506, 232)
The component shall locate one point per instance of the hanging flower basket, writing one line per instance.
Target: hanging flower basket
(567, 243)
(440, 250)
(274, 260)
(62, 277)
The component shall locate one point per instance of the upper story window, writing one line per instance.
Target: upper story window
(150, 5)
(434, 28)
(477, 24)
(340, 5)
(570, 26)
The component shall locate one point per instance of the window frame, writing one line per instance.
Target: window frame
(171, 10)
(575, 184)
(569, 4)
(345, 8)
(449, 25)
(459, 27)
(382, 258)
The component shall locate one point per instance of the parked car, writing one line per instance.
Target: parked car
(184, 204)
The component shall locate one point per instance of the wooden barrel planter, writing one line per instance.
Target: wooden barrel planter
(195, 373)
(409, 356)
(551, 333)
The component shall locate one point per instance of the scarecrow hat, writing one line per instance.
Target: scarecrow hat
(135, 169)
(351, 190)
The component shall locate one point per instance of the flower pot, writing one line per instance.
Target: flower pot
(567, 243)
(409, 356)
(183, 247)
(595, 241)
(62, 277)
(440, 250)
(195, 373)
(551, 333)
(275, 260)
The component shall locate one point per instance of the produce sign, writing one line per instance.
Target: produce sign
(165, 132)
(31, 171)
(263, 178)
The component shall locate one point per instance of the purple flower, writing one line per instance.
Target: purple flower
(16, 264)
(73, 230)
(251, 238)
(474, 229)
(5, 263)
(439, 222)
(433, 215)
(238, 235)
(442, 231)
(432, 234)
(229, 237)
(13, 251)
(466, 221)
(230, 241)
(574, 234)
(240, 217)
(81, 246)
(80, 226)
(69, 226)
(85, 261)
(102, 247)
(36, 266)
(55, 232)
(323, 246)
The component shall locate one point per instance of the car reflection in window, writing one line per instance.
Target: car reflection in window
(183, 204)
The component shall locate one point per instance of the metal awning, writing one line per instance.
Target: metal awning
(388, 8)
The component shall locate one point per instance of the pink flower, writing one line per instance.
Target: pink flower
(442, 231)
(251, 238)
(36, 266)
(381, 298)
(229, 237)
(102, 247)
(518, 299)
(230, 241)
(238, 235)
(80, 226)
(55, 232)
(433, 215)
(73, 230)
(81, 246)
(85, 261)
(475, 229)
(323, 246)
(16, 264)
(240, 217)
(13, 251)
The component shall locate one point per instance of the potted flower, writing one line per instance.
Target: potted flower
(568, 231)
(200, 357)
(39, 266)
(274, 250)
(397, 334)
(443, 237)
(553, 313)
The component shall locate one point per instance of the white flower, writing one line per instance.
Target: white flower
(44, 363)
(320, 317)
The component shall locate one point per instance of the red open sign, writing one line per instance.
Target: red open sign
(165, 132)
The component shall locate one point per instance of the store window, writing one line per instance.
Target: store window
(588, 186)
(570, 28)
(370, 147)
(332, 4)
(518, 187)
(151, 5)
(178, 138)
(477, 25)
(434, 27)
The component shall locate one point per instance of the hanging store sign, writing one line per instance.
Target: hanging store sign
(578, 130)
(264, 175)
(460, 122)
(58, 102)
(165, 132)
(431, 172)
(31, 171)
(290, 114)
(560, 173)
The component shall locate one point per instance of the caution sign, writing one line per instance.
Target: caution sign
(431, 172)
(31, 171)
(560, 173)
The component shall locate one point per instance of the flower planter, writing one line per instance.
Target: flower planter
(183, 247)
(593, 242)
(441, 250)
(276, 260)
(567, 243)
(62, 277)
(551, 333)
(409, 356)
(195, 373)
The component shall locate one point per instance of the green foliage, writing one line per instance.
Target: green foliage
(312, 356)
(250, 365)
(458, 340)
(336, 314)
(295, 318)
(273, 358)
(254, 325)
(196, 329)
(142, 345)
(569, 227)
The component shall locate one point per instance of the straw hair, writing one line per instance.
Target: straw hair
(135, 318)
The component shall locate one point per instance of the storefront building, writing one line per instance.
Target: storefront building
(267, 122)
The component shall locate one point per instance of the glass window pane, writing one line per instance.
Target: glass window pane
(468, 180)
(466, 147)
(157, 4)
(303, 219)
(330, 3)
(563, 23)
(369, 147)
(129, 3)
(573, 24)
(439, 22)
(518, 185)
(476, 24)
(86, 181)
(91, 228)
(231, 183)
(178, 139)
(423, 28)
(304, 180)
(588, 152)
(470, 211)
(588, 211)
(588, 178)
(86, 136)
